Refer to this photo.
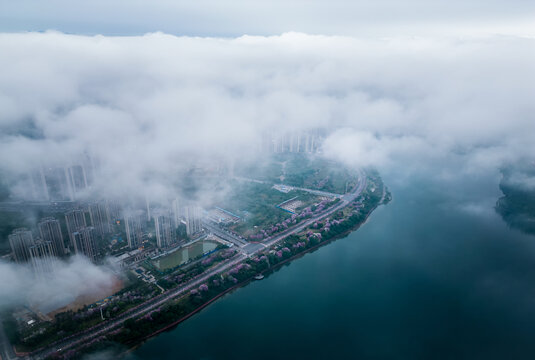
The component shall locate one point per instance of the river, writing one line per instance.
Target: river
(435, 274)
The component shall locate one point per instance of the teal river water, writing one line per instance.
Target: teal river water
(435, 274)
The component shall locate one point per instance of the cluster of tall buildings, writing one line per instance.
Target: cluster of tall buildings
(168, 220)
(189, 214)
(293, 142)
(49, 242)
(87, 225)
(41, 251)
(65, 185)
(83, 236)
(61, 183)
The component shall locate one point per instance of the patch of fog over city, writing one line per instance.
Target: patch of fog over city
(75, 278)
(150, 108)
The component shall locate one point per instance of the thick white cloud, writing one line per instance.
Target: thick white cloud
(147, 106)
(522, 181)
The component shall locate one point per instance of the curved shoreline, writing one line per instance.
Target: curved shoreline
(132, 342)
(250, 279)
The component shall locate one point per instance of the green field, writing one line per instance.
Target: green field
(301, 170)
(256, 204)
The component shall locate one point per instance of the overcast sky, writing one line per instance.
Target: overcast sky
(234, 18)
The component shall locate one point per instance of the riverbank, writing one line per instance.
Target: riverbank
(385, 198)
(402, 276)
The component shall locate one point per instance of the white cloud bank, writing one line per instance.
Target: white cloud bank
(148, 105)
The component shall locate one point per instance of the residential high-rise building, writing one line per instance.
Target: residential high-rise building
(21, 240)
(77, 179)
(165, 231)
(50, 230)
(193, 216)
(58, 184)
(114, 210)
(178, 211)
(149, 208)
(53, 181)
(85, 243)
(293, 142)
(37, 185)
(90, 166)
(42, 257)
(134, 230)
(75, 220)
(100, 218)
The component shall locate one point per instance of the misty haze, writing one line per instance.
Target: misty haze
(294, 180)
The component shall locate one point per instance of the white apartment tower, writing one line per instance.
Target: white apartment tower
(193, 216)
(42, 258)
(85, 243)
(134, 230)
(21, 240)
(75, 220)
(50, 231)
(100, 218)
(165, 231)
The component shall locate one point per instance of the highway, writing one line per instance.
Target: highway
(246, 250)
(138, 311)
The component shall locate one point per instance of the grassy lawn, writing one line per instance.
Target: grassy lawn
(302, 170)
(256, 205)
